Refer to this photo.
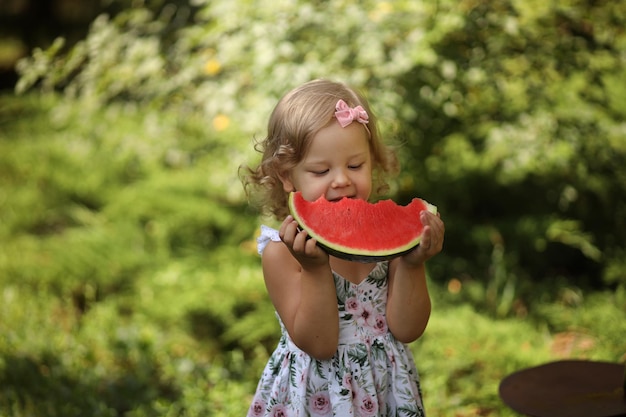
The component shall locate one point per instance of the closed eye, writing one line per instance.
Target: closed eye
(355, 167)
(320, 172)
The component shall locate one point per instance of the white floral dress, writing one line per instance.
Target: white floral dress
(371, 374)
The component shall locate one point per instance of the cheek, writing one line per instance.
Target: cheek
(312, 187)
(364, 180)
(312, 193)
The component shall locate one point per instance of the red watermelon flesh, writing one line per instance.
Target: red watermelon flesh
(358, 230)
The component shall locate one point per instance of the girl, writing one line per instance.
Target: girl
(344, 324)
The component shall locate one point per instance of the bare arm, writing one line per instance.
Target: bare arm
(408, 303)
(301, 286)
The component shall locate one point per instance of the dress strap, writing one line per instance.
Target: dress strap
(267, 234)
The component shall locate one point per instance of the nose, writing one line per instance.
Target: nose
(341, 179)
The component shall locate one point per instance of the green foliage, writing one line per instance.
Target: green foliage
(238, 57)
(117, 265)
(464, 354)
(518, 136)
(496, 105)
(130, 282)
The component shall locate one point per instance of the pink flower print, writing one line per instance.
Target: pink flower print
(368, 406)
(352, 305)
(279, 410)
(365, 317)
(319, 404)
(347, 380)
(380, 324)
(257, 408)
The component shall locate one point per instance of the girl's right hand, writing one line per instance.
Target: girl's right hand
(301, 246)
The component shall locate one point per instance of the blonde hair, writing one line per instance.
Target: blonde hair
(297, 117)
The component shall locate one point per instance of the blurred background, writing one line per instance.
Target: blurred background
(28, 24)
(129, 279)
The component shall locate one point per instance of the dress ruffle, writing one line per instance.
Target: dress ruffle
(267, 235)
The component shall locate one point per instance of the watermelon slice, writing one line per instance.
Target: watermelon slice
(358, 230)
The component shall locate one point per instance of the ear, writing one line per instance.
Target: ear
(287, 183)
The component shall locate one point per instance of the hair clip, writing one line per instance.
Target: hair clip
(346, 114)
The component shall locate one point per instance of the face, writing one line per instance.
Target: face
(338, 164)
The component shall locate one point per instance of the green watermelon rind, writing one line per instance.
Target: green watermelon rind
(358, 257)
(354, 254)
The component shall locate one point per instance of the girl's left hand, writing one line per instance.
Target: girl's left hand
(432, 239)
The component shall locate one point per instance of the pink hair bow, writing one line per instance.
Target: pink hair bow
(346, 114)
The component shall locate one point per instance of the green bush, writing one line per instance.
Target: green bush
(509, 115)
(130, 280)
(518, 135)
(124, 259)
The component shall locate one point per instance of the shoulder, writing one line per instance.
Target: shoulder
(277, 261)
(274, 251)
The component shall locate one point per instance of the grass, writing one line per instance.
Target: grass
(157, 351)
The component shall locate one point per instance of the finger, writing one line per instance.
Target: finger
(430, 218)
(436, 237)
(426, 238)
(288, 231)
(300, 240)
(434, 221)
(310, 246)
(284, 224)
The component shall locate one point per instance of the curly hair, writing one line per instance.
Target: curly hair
(295, 120)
